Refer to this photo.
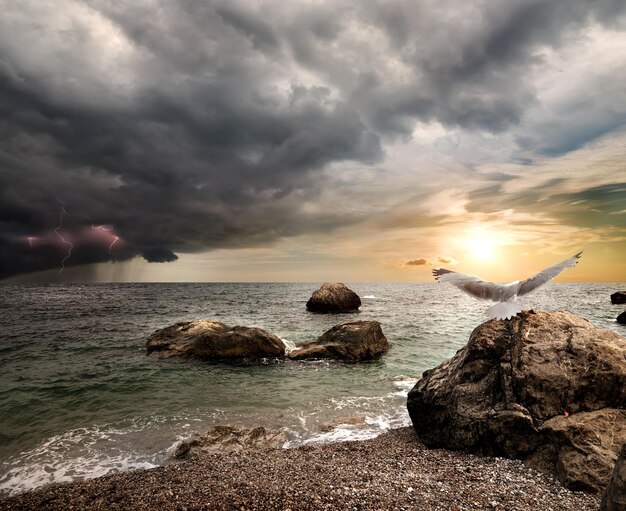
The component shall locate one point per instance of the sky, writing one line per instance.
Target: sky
(311, 141)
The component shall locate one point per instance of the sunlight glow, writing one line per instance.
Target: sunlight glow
(481, 246)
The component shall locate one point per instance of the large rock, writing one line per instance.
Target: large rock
(614, 498)
(333, 298)
(546, 387)
(621, 319)
(619, 297)
(229, 439)
(212, 340)
(351, 342)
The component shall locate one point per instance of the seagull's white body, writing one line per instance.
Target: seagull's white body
(504, 294)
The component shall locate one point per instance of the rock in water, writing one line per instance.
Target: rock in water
(621, 319)
(350, 342)
(333, 298)
(545, 387)
(614, 498)
(619, 297)
(212, 340)
(230, 439)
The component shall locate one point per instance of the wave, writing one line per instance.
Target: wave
(87, 453)
(69, 457)
(379, 414)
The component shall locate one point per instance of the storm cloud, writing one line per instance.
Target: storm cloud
(189, 126)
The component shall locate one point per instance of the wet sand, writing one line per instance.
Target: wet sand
(392, 471)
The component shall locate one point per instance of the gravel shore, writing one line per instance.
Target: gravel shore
(392, 471)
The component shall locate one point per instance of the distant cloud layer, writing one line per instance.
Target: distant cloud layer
(417, 262)
(447, 260)
(439, 260)
(189, 126)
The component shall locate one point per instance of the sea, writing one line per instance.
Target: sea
(79, 397)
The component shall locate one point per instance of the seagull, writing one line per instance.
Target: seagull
(504, 294)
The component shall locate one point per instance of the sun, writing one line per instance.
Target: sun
(481, 246)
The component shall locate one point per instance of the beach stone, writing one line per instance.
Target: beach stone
(347, 420)
(614, 498)
(333, 297)
(621, 319)
(545, 387)
(618, 297)
(351, 342)
(212, 340)
(229, 439)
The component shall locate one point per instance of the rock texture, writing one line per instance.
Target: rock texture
(351, 342)
(545, 387)
(229, 439)
(212, 340)
(614, 498)
(619, 297)
(622, 318)
(333, 298)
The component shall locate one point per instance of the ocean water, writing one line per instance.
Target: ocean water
(79, 397)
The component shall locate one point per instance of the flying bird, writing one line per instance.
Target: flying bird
(504, 294)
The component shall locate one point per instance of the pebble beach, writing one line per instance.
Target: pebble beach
(392, 471)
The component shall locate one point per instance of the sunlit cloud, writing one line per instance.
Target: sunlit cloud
(417, 262)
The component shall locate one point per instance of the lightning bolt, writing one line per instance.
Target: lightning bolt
(66, 240)
(115, 240)
(58, 233)
(107, 229)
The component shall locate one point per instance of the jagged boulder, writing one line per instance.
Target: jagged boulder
(333, 298)
(618, 297)
(351, 342)
(621, 319)
(229, 439)
(545, 387)
(212, 340)
(614, 498)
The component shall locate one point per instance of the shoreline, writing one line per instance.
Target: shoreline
(392, 471)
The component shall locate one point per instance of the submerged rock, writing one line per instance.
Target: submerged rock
(614, 498)
(619, 297)
(229, 439)
(212, 340)
(347, 420)
(545, 387)
(350, 342)
(621, 319)
(333, 298)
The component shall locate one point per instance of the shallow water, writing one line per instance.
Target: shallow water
(80, 398)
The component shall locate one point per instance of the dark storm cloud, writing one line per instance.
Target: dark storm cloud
(195, 125)
(159, 255)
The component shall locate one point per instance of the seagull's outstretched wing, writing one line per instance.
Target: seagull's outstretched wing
(470, 284)
(544, 276)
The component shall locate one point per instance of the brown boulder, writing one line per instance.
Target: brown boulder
(618, 297)
(333, 298)
(212, 340)
(229, 439)
(614, 498)
(350, 342)
(582, 447)
(621, 319)
(546, 387)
